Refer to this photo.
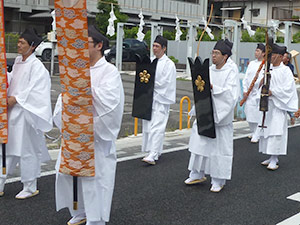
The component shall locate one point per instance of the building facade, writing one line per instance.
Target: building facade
(256, 11)
(21, 13)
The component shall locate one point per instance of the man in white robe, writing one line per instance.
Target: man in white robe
(251, 105)
(29, 115)
(95, 193)
(164, 95)
(282, 98)
(214, 156)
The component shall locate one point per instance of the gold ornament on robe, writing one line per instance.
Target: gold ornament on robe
(200, 83)
(144, 76)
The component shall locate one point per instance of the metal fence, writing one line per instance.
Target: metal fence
(11, 41)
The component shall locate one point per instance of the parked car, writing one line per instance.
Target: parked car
(131, 47)
(44, 50)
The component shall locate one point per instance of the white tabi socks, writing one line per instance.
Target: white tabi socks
(150, 159)
(29, 190)
(217, 184)
(77, 219)
(195, 177)
(273, 163)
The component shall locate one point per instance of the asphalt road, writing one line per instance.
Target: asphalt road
(156, 195)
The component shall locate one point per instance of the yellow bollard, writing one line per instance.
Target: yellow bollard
(180, 112)
(135, 126)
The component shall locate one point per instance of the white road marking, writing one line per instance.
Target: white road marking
(293, 220)
(295, 197)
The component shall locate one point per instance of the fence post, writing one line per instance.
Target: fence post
(135, 126)
(180, 112)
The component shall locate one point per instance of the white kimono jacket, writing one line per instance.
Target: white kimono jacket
(214, 156)
(273, 139)
(164, 95)
(30, 84)
(251, 105)
(95, 193)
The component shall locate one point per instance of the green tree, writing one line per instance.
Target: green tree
(296, 37)
(260, 35)
(205, 36)
(246, 37)
(184, 33)
(147, 38)
(102, 17)
(131, 32)
(170, 35)
(280, 40)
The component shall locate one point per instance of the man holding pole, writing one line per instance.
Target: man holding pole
(95, 193)
(251, 105)
(282, 99)
(29, 115)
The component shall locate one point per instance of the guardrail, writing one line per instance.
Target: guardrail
(135, 126)
(180, 112)
(180, 116)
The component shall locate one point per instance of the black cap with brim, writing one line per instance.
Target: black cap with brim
(224, 47)
(161, 40)
(98, 37)
(261, 47)
(276, 49)
(32, 37)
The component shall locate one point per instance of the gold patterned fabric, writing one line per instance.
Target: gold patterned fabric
(77, 153)
(3, 80)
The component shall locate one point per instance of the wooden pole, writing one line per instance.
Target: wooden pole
(75, 193)
(3, 159)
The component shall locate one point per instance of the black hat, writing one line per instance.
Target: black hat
(98, 37)
(276, 49)
(261, 47)
(161, 40)
(31, 36)
(228, 43)
(224, 47)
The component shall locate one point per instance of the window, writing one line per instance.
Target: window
(255, 12)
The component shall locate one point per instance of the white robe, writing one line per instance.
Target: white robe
(30, 84)
(214, 156)
(95, 193)
(273, 139)
(251, 105)
(164, 95)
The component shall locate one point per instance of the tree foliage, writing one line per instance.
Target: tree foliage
(102, 17)
(296, 37)
(131, 32)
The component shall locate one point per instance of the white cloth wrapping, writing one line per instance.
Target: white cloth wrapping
(164, 95)
(30, 84)
(214, 156)
(273, 139)
(95, 193)
(251, 105)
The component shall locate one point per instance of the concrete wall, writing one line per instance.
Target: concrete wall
(164, 8)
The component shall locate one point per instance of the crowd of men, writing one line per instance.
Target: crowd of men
(29, 116)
